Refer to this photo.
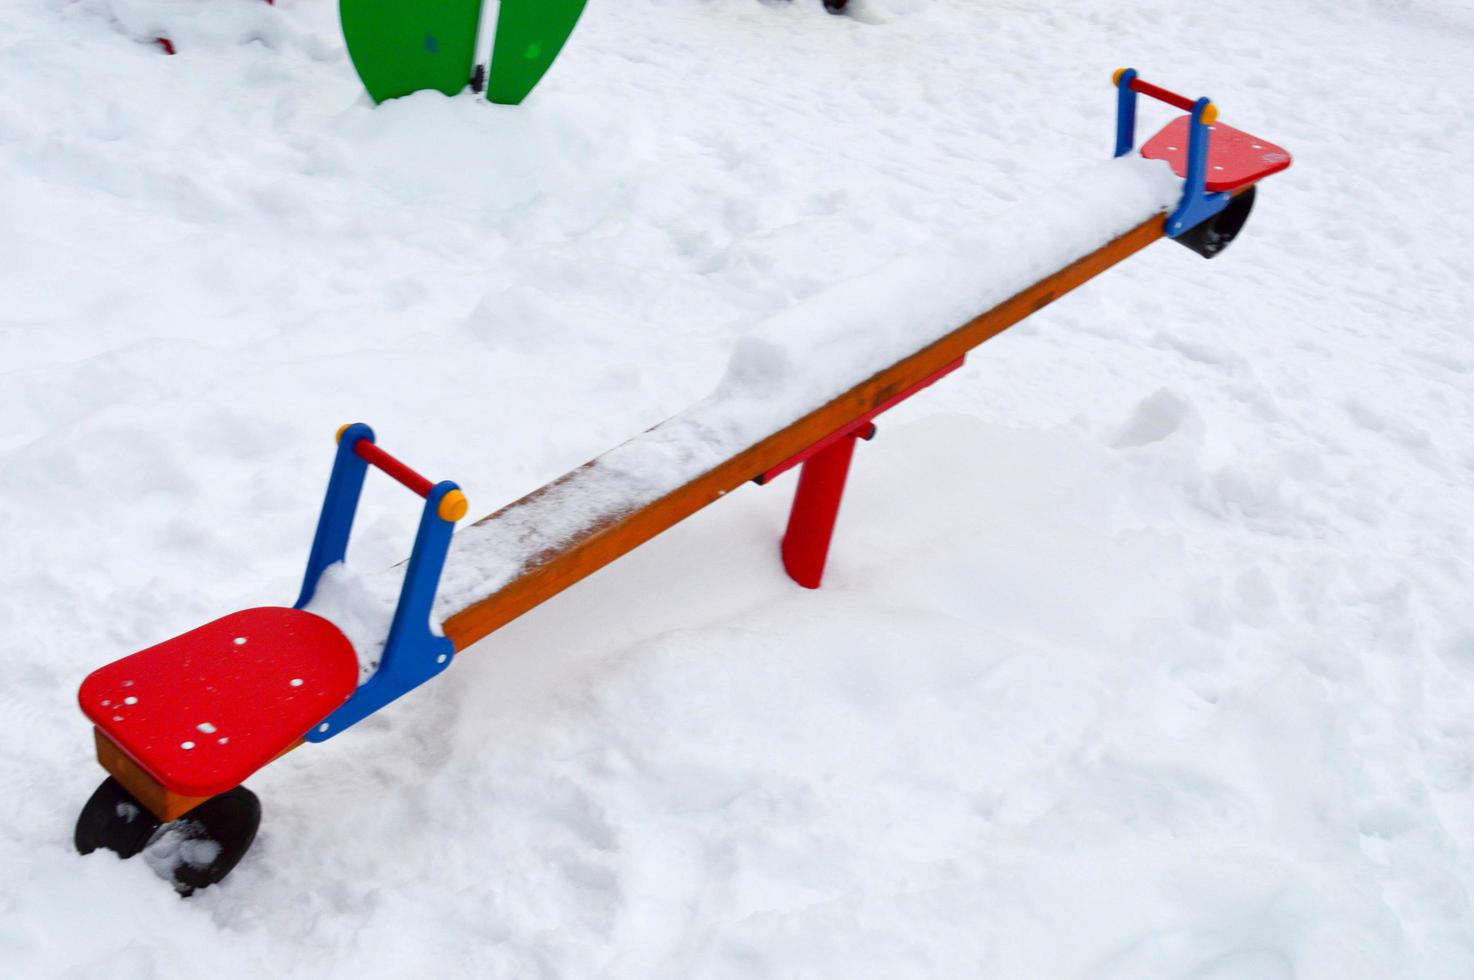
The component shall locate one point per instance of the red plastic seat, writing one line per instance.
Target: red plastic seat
(1235, 158)
(203, 711)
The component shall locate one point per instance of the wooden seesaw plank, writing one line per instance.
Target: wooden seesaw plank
(545, 575)
(591, 548)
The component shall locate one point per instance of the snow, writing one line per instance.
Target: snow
(361, 605)
(1145, 645)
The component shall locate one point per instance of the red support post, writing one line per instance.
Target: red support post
(826, 464)
(815, 509)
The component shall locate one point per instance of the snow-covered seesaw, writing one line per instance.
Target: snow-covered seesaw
(180, 726)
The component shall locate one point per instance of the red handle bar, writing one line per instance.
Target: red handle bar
(374, 456)
(1162, 95)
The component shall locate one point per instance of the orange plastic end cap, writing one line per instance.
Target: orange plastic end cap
(1116, 77)
(341, 429)
(453, 506)
(1210, 114)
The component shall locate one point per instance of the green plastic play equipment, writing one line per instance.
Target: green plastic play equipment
(404, 46)
(529, 35)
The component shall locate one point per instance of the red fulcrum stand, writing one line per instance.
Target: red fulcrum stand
(826, 466)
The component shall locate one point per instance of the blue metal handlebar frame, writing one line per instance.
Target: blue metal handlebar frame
(412, 652)
(1197, 204)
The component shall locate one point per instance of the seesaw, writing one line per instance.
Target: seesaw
(180, 726)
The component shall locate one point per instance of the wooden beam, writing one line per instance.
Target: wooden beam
(165, 804)
(544, 576)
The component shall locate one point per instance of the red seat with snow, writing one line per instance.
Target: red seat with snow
(203, 711)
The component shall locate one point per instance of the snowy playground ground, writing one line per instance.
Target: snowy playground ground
(1146, 645)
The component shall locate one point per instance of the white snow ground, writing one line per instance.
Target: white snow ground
(1146, 646)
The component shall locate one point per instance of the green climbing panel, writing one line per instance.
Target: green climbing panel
(403, 46)
(529, 35)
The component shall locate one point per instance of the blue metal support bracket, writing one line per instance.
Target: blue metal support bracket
(1197, 204)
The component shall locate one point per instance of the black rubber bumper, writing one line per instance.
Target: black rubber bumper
(1211, 237)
